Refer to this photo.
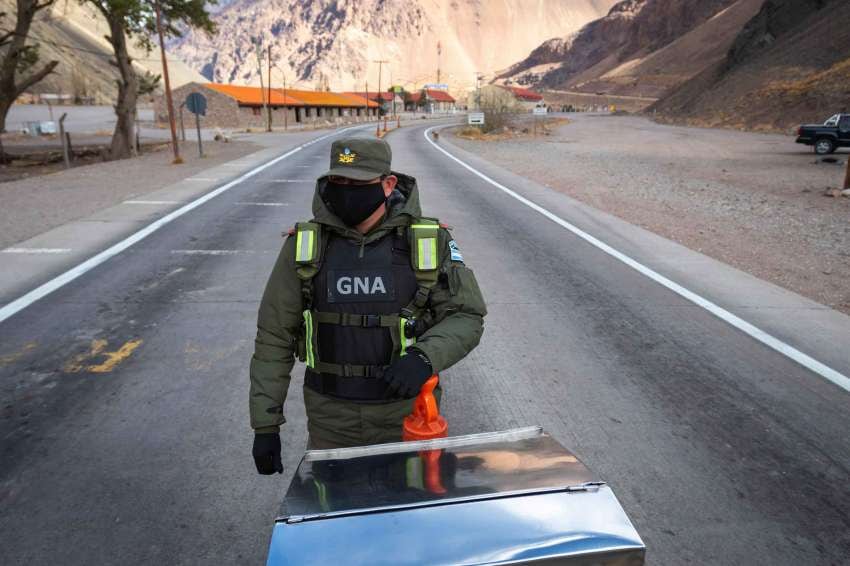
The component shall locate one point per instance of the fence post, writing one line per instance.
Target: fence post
(66, 143)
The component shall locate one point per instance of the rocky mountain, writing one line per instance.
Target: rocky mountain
(624, 52)
(335, 42)
(789, 64)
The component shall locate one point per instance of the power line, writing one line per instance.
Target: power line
(71, 47)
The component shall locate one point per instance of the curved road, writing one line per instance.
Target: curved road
(124, 422)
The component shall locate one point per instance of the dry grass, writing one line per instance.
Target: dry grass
(525, 128)
(834, 79)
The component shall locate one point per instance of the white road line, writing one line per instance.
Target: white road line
(263, 203)
(804, 360)
(152, 202)
(26, 300)
(35, 251)
(212, 252)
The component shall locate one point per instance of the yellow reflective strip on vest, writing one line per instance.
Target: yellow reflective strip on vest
(414, 476)
(322, 493)
(308, 339)
(304, 245)
(426, 226)
(403, 341)
(427, 256)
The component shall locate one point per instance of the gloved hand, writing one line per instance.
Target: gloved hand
(266, 453)
(407, 374)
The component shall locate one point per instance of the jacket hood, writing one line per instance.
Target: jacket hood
(402, 205)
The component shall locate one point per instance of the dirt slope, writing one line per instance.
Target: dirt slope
(616, 54)
(668, 67)
(790, 64)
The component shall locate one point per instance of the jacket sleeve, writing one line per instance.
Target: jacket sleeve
(278, 325)
(458, 310)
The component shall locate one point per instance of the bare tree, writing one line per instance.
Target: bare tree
(135, 19)
(18, 59)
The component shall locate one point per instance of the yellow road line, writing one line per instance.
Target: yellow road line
(116, 357)
(97, 348)
(76, 365)
(15, 356)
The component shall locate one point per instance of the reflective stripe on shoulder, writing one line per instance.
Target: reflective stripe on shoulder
(427, 253)
(305, 246)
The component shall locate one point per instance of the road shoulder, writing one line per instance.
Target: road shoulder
(815, 329)
(30, 263)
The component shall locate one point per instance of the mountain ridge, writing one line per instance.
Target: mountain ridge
(336, 43)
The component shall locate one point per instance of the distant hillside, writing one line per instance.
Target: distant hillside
(74, 35)
(790, 64)
(640, 48)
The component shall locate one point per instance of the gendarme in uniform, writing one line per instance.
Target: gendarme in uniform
(373, 297)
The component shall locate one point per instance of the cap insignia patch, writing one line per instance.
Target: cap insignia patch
(347, 156)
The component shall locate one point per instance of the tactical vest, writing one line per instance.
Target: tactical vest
(364, 306)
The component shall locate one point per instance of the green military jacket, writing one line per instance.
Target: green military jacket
(456, 305)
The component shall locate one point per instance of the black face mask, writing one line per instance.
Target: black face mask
(354, 203)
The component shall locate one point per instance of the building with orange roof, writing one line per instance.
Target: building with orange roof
(387, 100)
(504, 98)
(236, 106)
(523, 94)
(432, 101)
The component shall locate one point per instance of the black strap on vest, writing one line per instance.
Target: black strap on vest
(351, 388)
(363, 320)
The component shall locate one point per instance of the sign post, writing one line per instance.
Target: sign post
(538, 111)
(196, 103)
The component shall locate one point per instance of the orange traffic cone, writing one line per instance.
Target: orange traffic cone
(426, 423)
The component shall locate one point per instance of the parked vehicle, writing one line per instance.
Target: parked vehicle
(826, 137)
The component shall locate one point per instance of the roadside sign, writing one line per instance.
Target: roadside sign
(539, 110)
(196, 103)
(475, 119)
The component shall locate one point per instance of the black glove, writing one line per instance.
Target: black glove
(266, 453)
(407, 374)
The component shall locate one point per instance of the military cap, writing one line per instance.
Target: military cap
(361, 159)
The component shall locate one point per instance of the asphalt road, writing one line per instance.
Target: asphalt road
(721, 450)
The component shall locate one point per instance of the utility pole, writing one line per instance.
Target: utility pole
(478, 91)
(269, 97)
(285, 107)
(380, 95)
(367, 100)
(169, 102)
(439, 52)
(259, 52)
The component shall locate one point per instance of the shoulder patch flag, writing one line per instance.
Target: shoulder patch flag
(455, 251)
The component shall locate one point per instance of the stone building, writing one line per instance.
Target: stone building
(430, 101)
(233, 106)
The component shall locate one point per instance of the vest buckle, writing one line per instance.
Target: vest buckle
(371, 320)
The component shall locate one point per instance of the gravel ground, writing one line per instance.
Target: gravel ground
(754, 201)
(34, 205)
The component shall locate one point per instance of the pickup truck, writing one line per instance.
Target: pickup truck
(826, 137)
